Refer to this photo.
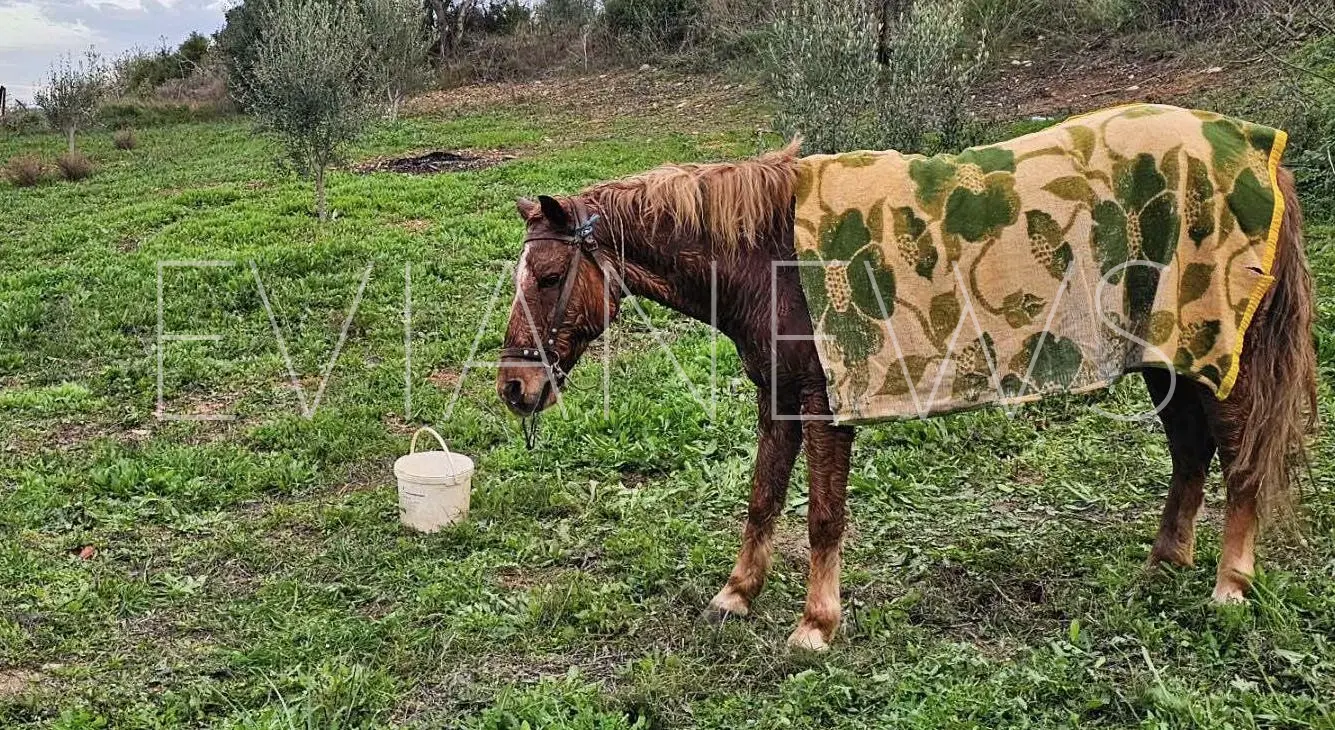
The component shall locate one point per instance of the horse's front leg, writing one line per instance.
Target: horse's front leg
(828, 449)
(779, 443)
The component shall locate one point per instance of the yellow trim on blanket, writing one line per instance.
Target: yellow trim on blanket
(1267, 262)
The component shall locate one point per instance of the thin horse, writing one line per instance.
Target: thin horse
(660, 231)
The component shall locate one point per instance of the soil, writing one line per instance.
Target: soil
(697, 102)
(14, 682)
(1038, 82)
(436, 161)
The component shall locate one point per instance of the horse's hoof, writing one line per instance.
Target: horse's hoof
(1177, 556)
(1228, 595)
(727, 604)
(807, 638)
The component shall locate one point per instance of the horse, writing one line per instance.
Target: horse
(666, 233)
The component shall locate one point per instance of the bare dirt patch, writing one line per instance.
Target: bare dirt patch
(435, 162)
(1040, 82)
(14, 682)
(416, 225)
(596, 102)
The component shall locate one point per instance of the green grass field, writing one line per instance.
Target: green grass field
(252, 573)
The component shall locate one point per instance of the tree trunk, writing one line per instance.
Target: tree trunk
(438, 8)
(465, 7)
(889, 16)
(69, 135)
(319, 193)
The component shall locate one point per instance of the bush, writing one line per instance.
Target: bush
(22, 120)
(845, 78)
(658, 25)
(72, 92)
(520, 55)
(124, 139)
(399, 46)
(130, 113)
(566, 13)
(932, 62)
(311, 82)
(74, 166)
(25, 171)
(1312, 125)
(139, 73)
(822, 69)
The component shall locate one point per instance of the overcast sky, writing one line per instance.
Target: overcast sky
(33, 33)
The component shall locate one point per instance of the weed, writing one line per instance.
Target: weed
(25, 171)
(124, 139)
(74, 166)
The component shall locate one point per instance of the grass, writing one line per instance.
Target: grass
(252, 574)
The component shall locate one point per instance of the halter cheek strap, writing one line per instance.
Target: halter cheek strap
(583, 245)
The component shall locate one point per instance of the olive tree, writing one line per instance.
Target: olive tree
(311, 82)
(876, 74)
(399, 45)
(72, 92)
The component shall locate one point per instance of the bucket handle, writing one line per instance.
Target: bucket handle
(412, 448)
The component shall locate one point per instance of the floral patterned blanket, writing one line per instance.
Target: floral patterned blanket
(1136, 236)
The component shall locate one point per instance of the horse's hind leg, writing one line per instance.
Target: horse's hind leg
(1192, 446)
(780, 440)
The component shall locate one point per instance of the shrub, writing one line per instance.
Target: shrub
(399, 46)
(823, 73)
(1312, 123)
(22, 120)
(25, 171)
(932, 61)
(74, 166)
(848, 76)
(520, 55)
(566, 13)
(124, 139)
(136, 114)
(72, 93)
(140, 73)
(311, 82)
(658, 25)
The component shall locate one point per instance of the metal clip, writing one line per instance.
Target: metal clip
(585, 232)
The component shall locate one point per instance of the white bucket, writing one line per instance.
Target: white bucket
(433, 485)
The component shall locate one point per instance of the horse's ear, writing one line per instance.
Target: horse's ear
(527, 207)
(553, 212)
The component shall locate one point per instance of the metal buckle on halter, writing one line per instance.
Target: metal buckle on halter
(584, 234)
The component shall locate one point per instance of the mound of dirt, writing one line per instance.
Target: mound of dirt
(436, 161)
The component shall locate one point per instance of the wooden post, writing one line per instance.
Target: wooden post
(2, 102)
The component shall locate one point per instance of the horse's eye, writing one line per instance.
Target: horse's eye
(549, 281)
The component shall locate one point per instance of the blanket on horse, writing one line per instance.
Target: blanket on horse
(1138, 236)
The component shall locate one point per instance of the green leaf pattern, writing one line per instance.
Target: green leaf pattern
(972, 259)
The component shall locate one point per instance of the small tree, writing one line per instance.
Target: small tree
(399, 44)
(311, 82)
(72, 93)
(871, 74)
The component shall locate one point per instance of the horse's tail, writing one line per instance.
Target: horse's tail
(1275, 396)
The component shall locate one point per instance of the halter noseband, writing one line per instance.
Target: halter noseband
(581, 240)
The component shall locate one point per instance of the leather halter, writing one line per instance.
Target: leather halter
(582, 244)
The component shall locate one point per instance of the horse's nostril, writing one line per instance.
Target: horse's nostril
(514, 391)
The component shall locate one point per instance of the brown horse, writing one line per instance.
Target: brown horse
(661, 230)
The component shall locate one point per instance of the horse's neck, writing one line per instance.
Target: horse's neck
(684, 276)
(679, 280)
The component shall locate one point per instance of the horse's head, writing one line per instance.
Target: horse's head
(563, 301)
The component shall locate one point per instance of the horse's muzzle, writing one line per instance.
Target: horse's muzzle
(522, 388)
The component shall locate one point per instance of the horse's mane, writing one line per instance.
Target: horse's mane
(732, 203)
